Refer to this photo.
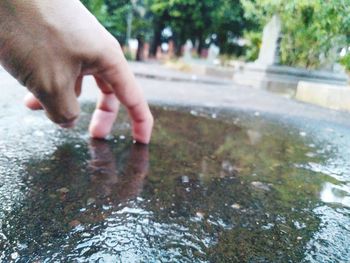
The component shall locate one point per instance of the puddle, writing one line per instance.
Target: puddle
(212, 187)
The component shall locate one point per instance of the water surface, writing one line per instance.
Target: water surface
(213, 186)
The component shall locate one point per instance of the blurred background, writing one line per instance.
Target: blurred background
(315, 34)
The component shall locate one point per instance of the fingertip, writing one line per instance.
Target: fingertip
(97, 133)
(142, 131)
(69, 124)
(32, 103)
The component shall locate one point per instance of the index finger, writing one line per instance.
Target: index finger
(114, 69)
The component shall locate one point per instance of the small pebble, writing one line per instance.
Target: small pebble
(105, 207)
(63, 190)
(14, 255)
(200, 215)
(185, 179)
(236, 206)
(261, 186)
(74, 223)
(90, 201)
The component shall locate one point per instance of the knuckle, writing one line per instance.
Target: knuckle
(26, 79)
(40, 93)
(59, 102)
(62, 116)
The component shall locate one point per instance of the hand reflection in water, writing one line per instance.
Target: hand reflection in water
(114, 183)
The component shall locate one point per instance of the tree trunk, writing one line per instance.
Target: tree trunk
(200, 45)
(140, 48)
(156, 40)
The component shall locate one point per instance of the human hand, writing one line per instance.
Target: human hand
(49, 46)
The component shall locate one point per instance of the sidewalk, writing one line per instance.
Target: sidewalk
(160, 72)
(163, 86)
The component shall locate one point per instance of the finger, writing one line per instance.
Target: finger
(78, 85)
(60, 102)
(116, 72)
(32, 102)
(105, 113)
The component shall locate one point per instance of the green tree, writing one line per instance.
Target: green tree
(313, 30)
(113, 16)
(221, 21)
(229, 23)
(186, 18)
(199, 21)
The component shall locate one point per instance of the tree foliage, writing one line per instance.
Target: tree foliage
(113, 15)
(199, 21)
(312, 34)
(313, 30)
(187, 19)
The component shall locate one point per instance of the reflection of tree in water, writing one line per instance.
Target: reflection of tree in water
(245, 183)
(215, 191)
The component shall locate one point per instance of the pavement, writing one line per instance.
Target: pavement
(170, 87)
(214, 92)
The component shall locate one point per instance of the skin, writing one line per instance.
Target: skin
(49, 46)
